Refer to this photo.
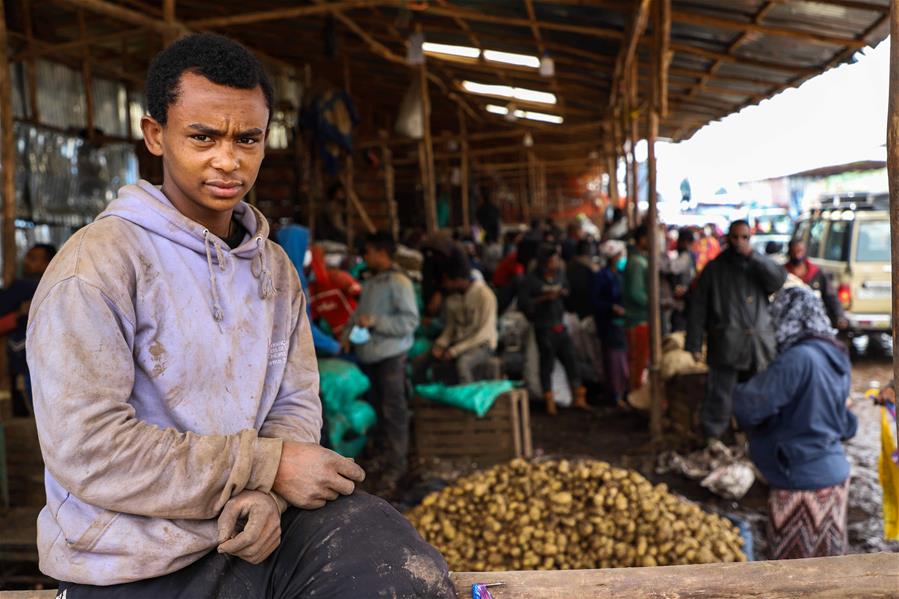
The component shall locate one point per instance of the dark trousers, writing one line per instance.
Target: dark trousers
(553, 345)
(355, 547)
(717, 408)
(388, 396)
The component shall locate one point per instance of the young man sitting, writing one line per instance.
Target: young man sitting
(176, 386)
(470, 335)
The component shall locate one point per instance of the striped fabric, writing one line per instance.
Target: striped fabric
(807, 523)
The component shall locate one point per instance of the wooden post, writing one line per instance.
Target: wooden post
(634, 118)
(390, 191)
(657, 105)
(87, 78)
(532, 184)
(8, 156)
(34, 112)
(463, 171)
(427, 153)
(893, 170)
(523, 200)
(350, 180)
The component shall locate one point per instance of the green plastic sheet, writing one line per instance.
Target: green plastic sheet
(474, 397)
(349, 418)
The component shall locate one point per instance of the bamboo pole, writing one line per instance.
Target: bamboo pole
(87, 79)
(9, 160)
(463, 171)
(350, 173)
(656, 385)
(390, 190)
(427, 171)
(634, 118)
(34, 112)
(893, 170)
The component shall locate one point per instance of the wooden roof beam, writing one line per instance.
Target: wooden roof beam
(706, 20)
(758, 17)
(387, 54)
(473, 15)
(628, 51)
(48, 49)
(287, 13)
(475, 40)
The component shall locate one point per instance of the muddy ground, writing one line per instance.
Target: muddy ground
(622, 438)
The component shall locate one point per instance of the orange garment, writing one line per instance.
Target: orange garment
(637, 353)
(333, 293)
(709, 249)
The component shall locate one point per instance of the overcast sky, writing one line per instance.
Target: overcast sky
(834, 118)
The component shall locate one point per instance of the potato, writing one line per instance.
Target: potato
(567, 515)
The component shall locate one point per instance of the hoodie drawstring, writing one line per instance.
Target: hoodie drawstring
(260, 270)
(217, 313)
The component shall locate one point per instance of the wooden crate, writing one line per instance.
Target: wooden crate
(450, 433)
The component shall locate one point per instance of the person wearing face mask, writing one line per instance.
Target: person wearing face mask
(729, 307)
(800, 265)
(608, 312)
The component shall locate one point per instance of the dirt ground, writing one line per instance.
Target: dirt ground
(622, 439)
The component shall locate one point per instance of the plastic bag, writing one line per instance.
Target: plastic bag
(888, 469)
(474, 397)
(349, 418)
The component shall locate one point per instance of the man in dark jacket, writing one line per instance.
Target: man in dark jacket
(730, 305)
(541, 297)
(581, 272)
(814, 277)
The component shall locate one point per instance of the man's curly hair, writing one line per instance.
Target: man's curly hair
(215, 57)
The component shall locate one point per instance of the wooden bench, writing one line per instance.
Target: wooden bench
(846, 577)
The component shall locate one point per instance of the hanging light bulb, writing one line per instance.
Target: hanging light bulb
(528, 140)
(547, 66)
(510, 112)
(415, 54)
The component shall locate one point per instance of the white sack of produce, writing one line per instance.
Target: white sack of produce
(569, 515)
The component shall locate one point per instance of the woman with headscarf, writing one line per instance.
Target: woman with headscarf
(796, 415)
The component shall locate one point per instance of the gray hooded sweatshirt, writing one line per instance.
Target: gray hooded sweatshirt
(166, 369)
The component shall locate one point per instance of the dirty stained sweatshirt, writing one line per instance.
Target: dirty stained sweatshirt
(166, 370)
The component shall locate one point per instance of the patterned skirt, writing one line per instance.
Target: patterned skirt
(807, 523)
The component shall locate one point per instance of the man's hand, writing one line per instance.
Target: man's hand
(438, 352)
(618, 310)
(366, 321)
(310, 475)
(261, 533)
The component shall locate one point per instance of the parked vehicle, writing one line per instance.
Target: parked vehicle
(849, 239)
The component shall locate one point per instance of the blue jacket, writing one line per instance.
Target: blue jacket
(796, 417)
(607, 292)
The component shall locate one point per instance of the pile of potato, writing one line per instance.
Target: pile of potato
(569, 515)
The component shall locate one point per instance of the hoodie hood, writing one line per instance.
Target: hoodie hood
(144, 205)
(836, 355)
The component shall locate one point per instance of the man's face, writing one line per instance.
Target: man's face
(797, 252)
(377, 259)
(738, 238)
(211, 146)
(35, 262)
(553, 263)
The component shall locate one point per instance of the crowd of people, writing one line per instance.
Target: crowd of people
(766, 331)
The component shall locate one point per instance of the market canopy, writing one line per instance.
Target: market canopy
(722, 56)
